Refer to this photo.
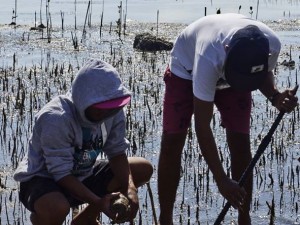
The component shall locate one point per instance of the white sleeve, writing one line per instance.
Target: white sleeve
(205, 77)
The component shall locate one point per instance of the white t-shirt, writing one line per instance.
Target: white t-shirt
(199, 51)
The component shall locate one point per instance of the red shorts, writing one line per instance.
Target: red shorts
(234, 106)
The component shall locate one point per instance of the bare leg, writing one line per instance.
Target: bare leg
(50, 209)
(169, 174)
(141, 170)
(239, 145)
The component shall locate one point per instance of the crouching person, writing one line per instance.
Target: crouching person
(63, 167)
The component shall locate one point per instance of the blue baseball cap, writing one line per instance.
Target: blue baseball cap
(246, 65)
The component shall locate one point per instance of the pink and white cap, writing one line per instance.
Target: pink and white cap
(113, 103)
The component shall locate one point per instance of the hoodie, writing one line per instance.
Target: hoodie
(63, 140)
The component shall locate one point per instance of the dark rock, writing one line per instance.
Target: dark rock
(148, 42)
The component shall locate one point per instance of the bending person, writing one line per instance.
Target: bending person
(217, 60)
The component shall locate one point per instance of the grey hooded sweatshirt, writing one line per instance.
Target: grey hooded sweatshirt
(63, 140)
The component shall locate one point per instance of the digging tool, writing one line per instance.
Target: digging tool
(261, 148)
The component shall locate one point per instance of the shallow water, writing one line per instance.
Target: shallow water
(39, 70)
(180, 11)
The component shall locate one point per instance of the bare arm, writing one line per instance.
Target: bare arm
(269, 89)
(203, 112)
(121, 169)
(81, 192)
(203, 115)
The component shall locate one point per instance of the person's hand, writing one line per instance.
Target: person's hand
(231, 190)
(286, 101)
(133, 206)
(121, 208)
(104, 204)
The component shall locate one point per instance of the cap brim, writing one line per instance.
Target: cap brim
(113, 103)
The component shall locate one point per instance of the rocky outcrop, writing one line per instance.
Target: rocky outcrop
(148, 42)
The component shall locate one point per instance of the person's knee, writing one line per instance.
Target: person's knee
(141, 169)
(148, 170)
(60, 210)
(53, 204)
(63, 209)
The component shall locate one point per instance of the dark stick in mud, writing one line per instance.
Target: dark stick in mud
(86, 16)
(261, 148)
(152, 203)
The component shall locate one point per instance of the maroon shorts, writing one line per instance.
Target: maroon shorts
(234, 106)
